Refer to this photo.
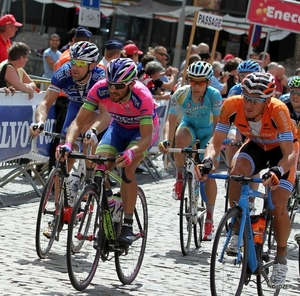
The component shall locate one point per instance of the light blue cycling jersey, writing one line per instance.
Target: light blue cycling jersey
(199, 116)
(235, 90)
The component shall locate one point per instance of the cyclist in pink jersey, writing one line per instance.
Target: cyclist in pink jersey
(132, 131)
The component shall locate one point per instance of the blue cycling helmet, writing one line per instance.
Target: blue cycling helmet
(248, 66)
(200, 70)
(121, 70)
(85, 51)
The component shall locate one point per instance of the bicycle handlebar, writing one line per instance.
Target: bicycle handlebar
(185, 150)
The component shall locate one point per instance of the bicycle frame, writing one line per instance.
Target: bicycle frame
(246, 192)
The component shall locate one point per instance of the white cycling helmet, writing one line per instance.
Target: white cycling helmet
(85, 51)
(200, 70)
(259, 83)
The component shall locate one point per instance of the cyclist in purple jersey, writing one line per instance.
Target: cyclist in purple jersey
(133, 129)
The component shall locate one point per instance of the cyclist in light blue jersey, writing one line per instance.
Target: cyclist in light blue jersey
(199, 104)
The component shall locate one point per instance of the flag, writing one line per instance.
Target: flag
(256, 37)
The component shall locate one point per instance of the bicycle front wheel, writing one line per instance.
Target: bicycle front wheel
(185, 215)
(83, 251)
(128, 261)
(49, 214)
(227, 273)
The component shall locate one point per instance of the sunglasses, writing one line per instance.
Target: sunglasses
(200, 83)
(79, 63)
(253, 101)
(116, 85)
(294, 92)
(162, 54)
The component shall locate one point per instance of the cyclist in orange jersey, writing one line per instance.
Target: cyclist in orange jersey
(272, 143)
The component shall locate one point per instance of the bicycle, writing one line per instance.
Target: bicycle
(230, 271)
(55, 208)
(192, 208)
(95, 230)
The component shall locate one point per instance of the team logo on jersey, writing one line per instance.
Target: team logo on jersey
(189, 105)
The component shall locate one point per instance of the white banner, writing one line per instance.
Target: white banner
(210, 21)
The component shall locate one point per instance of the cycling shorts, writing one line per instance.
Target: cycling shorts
(261, 159)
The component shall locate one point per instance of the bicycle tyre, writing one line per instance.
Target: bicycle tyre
(129, 261)
(49, 213)
(198, 228)
(233, 283)
(185, 221)
(83, 263)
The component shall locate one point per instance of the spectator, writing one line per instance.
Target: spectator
(51, 55)
(112, 51)
(272, 67)
(280, 81)
(144, 61)
(194, 50)
(265, 59)
(229, 56)
(218, 57)
(15, 75)
(81, 34)
(203, 47)
(297, 73)
(219, 78)
(8, 28)
(71, 40)
(231, 67)
(132, 52)
(153, 70)
(205, 56)
(160, 54)
(253, 56)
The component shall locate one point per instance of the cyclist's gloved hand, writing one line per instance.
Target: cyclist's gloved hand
(90, 134)
(272, 177)
(203, 168)
(126, 158)
(164, 145)
(227, 142)
(37, 126)
(63, 148)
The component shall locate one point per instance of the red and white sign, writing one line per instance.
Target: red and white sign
(275, 13)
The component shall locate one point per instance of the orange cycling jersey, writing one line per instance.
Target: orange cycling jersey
(274, 127)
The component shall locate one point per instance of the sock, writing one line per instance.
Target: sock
(128, 221)
(280, 256)
(179, 173)
(210, 213)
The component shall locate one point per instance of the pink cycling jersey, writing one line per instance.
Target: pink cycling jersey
(139, 109)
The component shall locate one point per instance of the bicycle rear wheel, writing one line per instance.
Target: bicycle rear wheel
(128, 261)
(265, 258)
(226, 275)
(49, 213)
(82, 238)
(185, 216)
